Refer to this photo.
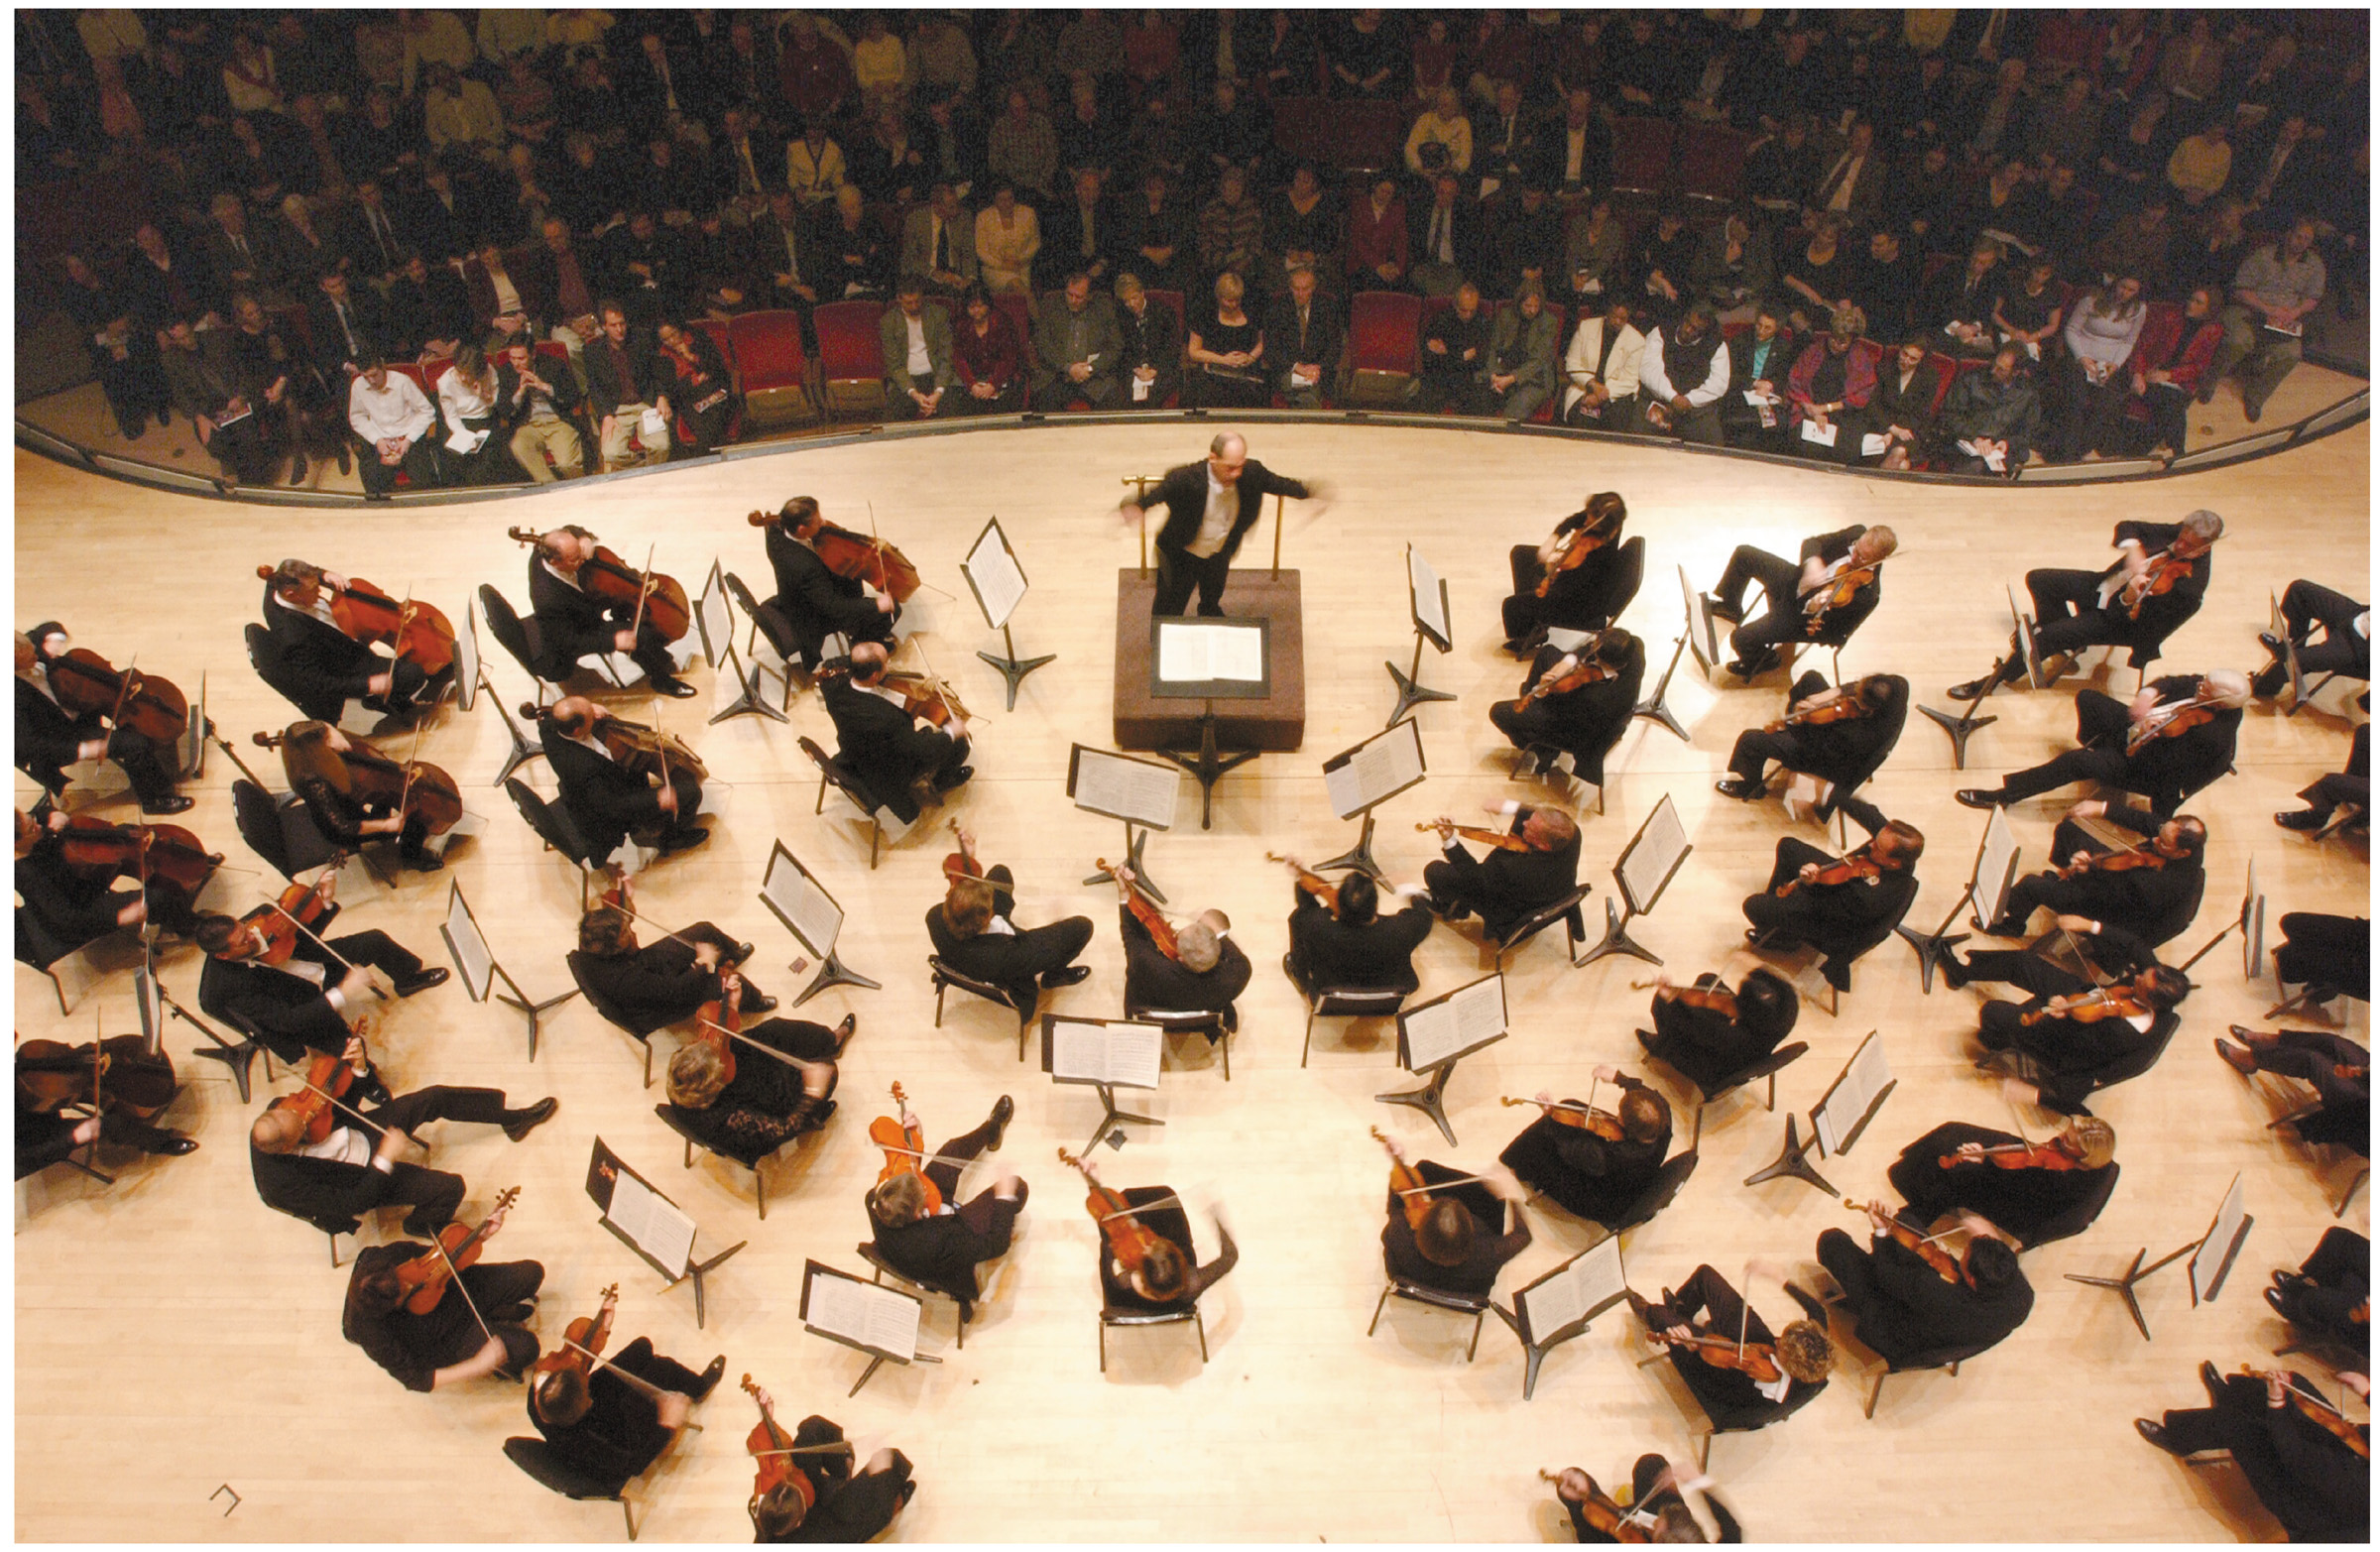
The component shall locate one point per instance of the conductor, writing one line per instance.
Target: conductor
(1208, 510)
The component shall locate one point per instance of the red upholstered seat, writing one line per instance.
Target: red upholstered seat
(771, 366)
(1709, 160)
(1383, 332)
(850, 355)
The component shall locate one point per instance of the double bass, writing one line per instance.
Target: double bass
(854, 557)
(653, 595)
(409, 629)
(85, 682)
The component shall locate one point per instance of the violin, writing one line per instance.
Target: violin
(1827, 597)
(582, 1340)
(409, 628)
(649, 751)
(328, 1079)
(1147, 915)
(1559, 681)
(961, 863)
(1843, 708)
(854, 557)
(2156, 579)
(1755, 1359)
(1942, 1263)
(719, 1022)
(2315, 1411)
(2115, 861)
(1570, 550)
(1858, 864)
(302, 907)
(2016, 1156)
(1604, 1515)
(1710, 999)
(771, 1450)
(1570, 1113)
(165, 856)
(85, 682)
(1403, 1179)
(1498, 840)
(1312, 883)
(2108, 1002)
(120, 1073)
(904, 1150)
(1129, 1239)
(2163, 722)
(654, 596)
(425, 1278)
(408, 787)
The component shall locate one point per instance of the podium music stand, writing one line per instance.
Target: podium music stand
(476, 963)
(1427, 600)
(2222, 1239)
(650, 1224)
(1644, 870)
(1211, 763)
(1440, 1033)
(997, 583)
(1564, 1303)
(1996, 856)
(1701, 634)
(1964, 724)
(470, 678)
(865, 1316)
(1361, 778)
(1140, 792)
(1124, 1052)
(796, 898)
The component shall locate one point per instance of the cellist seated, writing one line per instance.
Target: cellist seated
(814, 599)
(312, 757)
(941, 1247)
(751, 1107)
(67, 904)
(447, 1346)
(46, 1138)
(1204, 974)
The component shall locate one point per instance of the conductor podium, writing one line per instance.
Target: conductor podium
(1214, 724)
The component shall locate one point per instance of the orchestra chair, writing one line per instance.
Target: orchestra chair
(851, 357)
(59, 959)
(1599, 607)
(265, 659)
(1488, 1210)
(610, 1010)
(1704, 1437)
(677, 1120)
(832, 773)
(1767, 1067)
(1544, 763)
(769, 620)
(1658, 1192)
(279, 828)
(2082, 1214)
(1346, 1002)
(1949, 1357)
(332, 1227)
(537, 1457)
(518, 637)
(1836, 968)
(1564, 910)
(2318, 1128)
(945, 978)
(884, 1269)
(1169, 1223)
(1217, 1025)
(553, 825)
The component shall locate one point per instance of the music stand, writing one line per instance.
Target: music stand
(1426, 591)
(650, 1224)
(476, 963)
(1140, 792)
(2223, 1236)
(1794, 1161)
(1208, 659)
(471, 676)
(999, 583)
(865, 1316)
(1852, 1100)
(796, 898)
(1440, 1033)
(1564, 1302)
(1106, 1054)
(236, 1056)
(1996, 856)
(190, 751)
(751, 694)
(1701, 634)
(1964, 724)
(2252, 914)
(713, 615)
(1646, 866)
(1361, 778)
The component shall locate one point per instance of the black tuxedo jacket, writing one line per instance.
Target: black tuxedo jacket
(1593, 1178)
(1919, 1313)
(2035, 1205)
(1184, 495)
(608, 389)
(47, 740)
(288, 1011)
(1379, 955)
(1847, 753)
(1150, 980)
(328, 1193)
(879, 742)
(572, 622)
(654, 987)
(604, 799)
(814, 600)
(567, 397)
(2161, 614)
(1840, 623)
(324, 661)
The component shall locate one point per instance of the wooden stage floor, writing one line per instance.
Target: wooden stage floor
(175, 1310)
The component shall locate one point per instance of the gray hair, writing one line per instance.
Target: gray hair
(1201, 949)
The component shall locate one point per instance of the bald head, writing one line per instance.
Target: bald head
(867, 660)
(1227, 455)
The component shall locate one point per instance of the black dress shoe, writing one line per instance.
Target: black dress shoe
(1072, 975)
(2213, 1378)
(1955, 975)
(673, 688)
(760, 1004)
(2154, 1432)
(1002, 1110)
(346, 461)
(955, 778)
(2005, 927)
(1972, 689)
(684, 840)
(743, 954)
(424, 860)
(2298, 819)
(845, 1030)
(1722, 611)
(297, 469)
(424, 979)
(177, 1144)
(174, 804)
(2278, 1300)
(2270, 643)
(528, 1118)
(1980, 797)
(372, 1089)
(710, 1376)
(1737, 787)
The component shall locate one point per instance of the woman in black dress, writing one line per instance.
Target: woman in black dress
(1227, 352)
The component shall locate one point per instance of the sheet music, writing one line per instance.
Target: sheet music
(2206, 1263)
(1863, 1079)
(992, 571)
(1429, 596)
(718, 623)
(1995, 865)
(864, 1313)
(1190, 653)
(1440, 1030)
(466, 658)
(1375, 770)
(470, 950)
(1127, 1054)
(1131, 789)
(806, 909)
(652, 1223)
(1574, 1291)
(1646, 866)
(1701, 626)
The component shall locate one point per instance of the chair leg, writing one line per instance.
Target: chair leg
(1772, 1093)
(2362, 1175)
(876, 836)
(647, 1043)
(940, 987)
(1375, 1310)
(57, 984)
(335, 1252)
(1200, 1321)
(1702, 1451)
(1226, 1044)
(1598, 797)
(628, 1516)
(819, 807)
(1874, 1391)
(1103, 1346)
(689, 1160)
(1308, 1050)
(1477, 1321)
(759, 1189)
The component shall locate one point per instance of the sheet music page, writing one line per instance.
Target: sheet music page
(1429, 602)
(470, 950)
(1184, 655)
(2209, 1258)
(861, 1312)
(997, 581)
(1131, 789)
(1871, 1071)
(718, 625)
(1437, 1032)
(1480, 1010)
(652, 1222)
(1136, 1055)
(1236, 652)
(817, 920)
(1078, 1051)
(1569, 1295)
(1389, 763)
(1655, 853)
(1994, 865)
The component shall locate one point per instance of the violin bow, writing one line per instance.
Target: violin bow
(643, 1386)
(636, 915)
(922, 1158)
(1424, 1190)
(370, 974)
(1168, 1200)
(2098, 977)
(839, 1447)
(454, 1275)
(877, 541)
(734, 1035)
(405, 789)
(353, 1115)
(644, 591)
(124, 683)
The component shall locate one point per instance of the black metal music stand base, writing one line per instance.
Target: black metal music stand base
(2133, 1277)
(1410, 691)
(1429, 1099)
(1209, 765)
(749, 702)
(236, 1057)
(877, 1362)
(1963, 726)
(1134, 840)
(696, 1270)
(1793, 1161)
(1656, 708)
(1108, 1121)
(1536, 1352)
(1358, 856)
(1616, 939)
(1011, 667)
(518, 1001)
(523, 750)
(832, 974)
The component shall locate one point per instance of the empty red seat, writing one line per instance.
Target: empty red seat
(850, 355)
(1640, 155)
(1384, 336)
(1709, 158)
(772, 367)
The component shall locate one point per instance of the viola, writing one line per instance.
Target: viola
(854, 557)
(2315, 1411)
(412, 629)
(1858, 864)
(648, 751)
(120, 1073)
(2165, 723)
(961, 863)
(1412, 1190)
(904, 1150)
(582, 1340)
(409, 788)
(328, 1079)
(165, 857)
(423, 1281)
(2156, 579)
(1147, 915)
(771, 1450)
(1498, 840)
(1942, 1263)
(302, 906)
(1843, 708)
(655, 596)
(1828, 597)
(2108, 1002)
(1576, 677)
(1571, 549)
(1570, 1113)
(1757, 1358)
(1313, 884)
(1712, 998)
(1129, 1239)
(85, 682)
(1604, 1515)
(2016, 1156)
(2115, 861)
(717, 1024)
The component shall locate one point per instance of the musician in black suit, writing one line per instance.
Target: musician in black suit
(1587, 720)
(2137, 898)
(1839, 735)
(1345, 942)
(67, 905)
(1905, 1308)
(573, 622)
(2143, 747)
(973, 933)
(1165, 1279)
(2339, 1070)
(1712, 1037)
(606, 799)
(305, 1005)
(600, 1424)
(1451, 1251)
(886, 745)
(2066, 1052)
(2030, 1192)
(2320, 949)
(2329, 1295)
(2158, 582)
(1799, 605)
(656, 984)
(2353, 786)
(1801, 906)
(1658, 1511)
(50, 738)
(766, 1102)
(1513, 881)
(2314, 1483)
(447, 1346)
(1206, 972)
(1209, 506)
(1705, 1305)
(1595, 1176)
(851, 1507)
(1585, 593)
(817, 602)
(313, 762)
(2345, 647)
(944, 1248)
(325, 663)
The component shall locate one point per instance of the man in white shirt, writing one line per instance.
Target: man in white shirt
(1209, 507)
(918, 373)
(393, 418)
(1602, 367)
(1683, 375)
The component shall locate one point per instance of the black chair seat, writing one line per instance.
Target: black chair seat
(884, 1269)
(1657, 1195)
(944, 977)
(553, 823)
(1565, 910)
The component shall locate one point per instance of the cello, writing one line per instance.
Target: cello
(649, 751)
(164, 858)
(410, 628)
(854, 557)
(118, 1073)
(654, 595)
(85, 682)
(406, 787)
(423, 1281)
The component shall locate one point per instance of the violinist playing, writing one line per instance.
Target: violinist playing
(1911, 1298)
(449, 1345)
(1657, 1511)
(2339, 1070)
(350, 811)
(1435, 1235)
(325, 667)
(2159, 580)
(2140, 889)
(330, 1160)
(2033, 1192)
(2175, 737)
(2309, 1465)
(51, 738)
(1833, 906)
(974, 931)
(1575, 580)
(666, 980)
(1146, 1259)
(1338, 939)
(1709, 1033)
(742, 1102)
(1579, 702)
(575, 623)
(1838, 736)
(133, 1088)
(921, 1228)
(830, 1502)
(1515, 880)
(1822, 600)
(1742, 1374)
(601, 1424)
(892, 740)
(2072, 1038)
(293, 986)
(1199, 970)
(814, 598)
(610, 780)
(1595, 1163)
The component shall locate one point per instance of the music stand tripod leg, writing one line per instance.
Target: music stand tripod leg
(1109, 1122)
(1429, 1099)
(1933, 947)
(1134, 841)
(236, 1057)
(1409, 689)
(1964, 724)
(1656, 708)
(1358, 856)
(835, 973)
(1616, 939)
(866, 1374)
(697, 1270)
(1794, 1161)
(1209, 765)
(518, 1000)
(749, 702)
(1013, 669)
(523, 750)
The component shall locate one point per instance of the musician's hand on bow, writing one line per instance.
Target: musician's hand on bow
(2275, 1392)
(2074, 923)
(355, 983)
(1606, 1074)
(2362, 1384)
(1680, 1331)
(671, 1409)
(1809, 872)
(707, 955)
(1506, 1185)
(1573, 1486)
(1880, 1219)
(730, 984)
(2016, 1091)
(624, 639)
(1968, 1151)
